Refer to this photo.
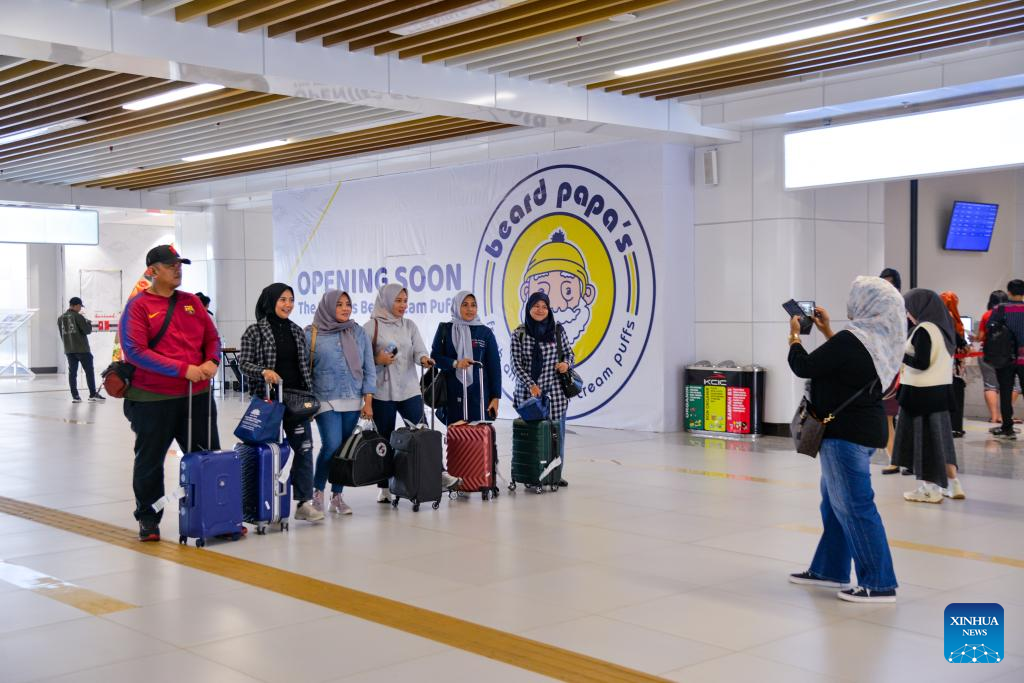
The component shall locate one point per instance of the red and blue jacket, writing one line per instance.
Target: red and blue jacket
(191, 339)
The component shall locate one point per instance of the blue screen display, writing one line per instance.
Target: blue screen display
(970, 226)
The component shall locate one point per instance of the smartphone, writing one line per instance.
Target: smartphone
(807, 307)
(796, 309)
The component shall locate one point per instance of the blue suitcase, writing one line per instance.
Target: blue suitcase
(211, 487)
(266, 484)
(266, 481)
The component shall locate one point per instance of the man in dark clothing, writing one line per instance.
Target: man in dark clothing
(74, 330)
(157, 403)
(1012, 312)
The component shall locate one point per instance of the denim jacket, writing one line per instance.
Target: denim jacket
(332, 379)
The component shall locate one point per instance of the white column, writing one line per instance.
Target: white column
(45, 292)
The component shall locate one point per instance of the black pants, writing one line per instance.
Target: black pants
(90, 378)
(156, 425)
(1006, 377)
(956, 412)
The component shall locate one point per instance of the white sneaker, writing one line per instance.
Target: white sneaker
(339, 506)
(450, 483)
(955, 490)
(318, 501)
(923, 494)
(308, 513)
(383, 496)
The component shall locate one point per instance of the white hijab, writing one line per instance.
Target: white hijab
(878, 318)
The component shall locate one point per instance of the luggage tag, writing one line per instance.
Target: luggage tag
(550, 468)
(176, 494)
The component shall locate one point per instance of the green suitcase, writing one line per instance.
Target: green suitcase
(534, 447)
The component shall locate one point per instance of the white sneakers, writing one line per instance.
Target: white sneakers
(318, 500)
(339, 506)
(450, 483)
(308, 512)
(955, 490)
(925, 493)
(383, 496)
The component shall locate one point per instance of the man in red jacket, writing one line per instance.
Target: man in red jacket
(156, 404)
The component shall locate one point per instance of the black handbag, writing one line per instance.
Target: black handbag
(571, 382)
(433, 387)
(808, 430)
(365, 458)
(299, 404)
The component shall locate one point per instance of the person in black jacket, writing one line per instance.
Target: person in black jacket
(853, 365)
(274, 351)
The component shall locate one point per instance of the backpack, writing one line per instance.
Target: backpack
(1000, 350)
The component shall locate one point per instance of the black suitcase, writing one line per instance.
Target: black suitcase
(419, 461)
(535, 460)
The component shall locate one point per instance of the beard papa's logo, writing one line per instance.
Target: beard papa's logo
(569, 232)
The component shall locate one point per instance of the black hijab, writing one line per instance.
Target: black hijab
(266, 305)
(926, 306)
(894, 275)
(543, 331)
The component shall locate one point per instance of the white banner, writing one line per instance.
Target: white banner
(568, 223)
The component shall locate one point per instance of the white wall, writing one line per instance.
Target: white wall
(44, 293)
(757, 245)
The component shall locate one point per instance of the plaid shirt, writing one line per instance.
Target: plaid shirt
(259, 353)
(522, 359)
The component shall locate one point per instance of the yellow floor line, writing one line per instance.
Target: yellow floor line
(709, 473)
(84, 599)
(531, 655)
(925, 548)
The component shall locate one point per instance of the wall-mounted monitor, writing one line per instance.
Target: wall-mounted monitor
(970, 226)
(35, 225)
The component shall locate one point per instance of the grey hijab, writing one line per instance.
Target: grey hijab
(926, 306)
(878, 319)
(386, 296)
(462, 334)
(326, 322)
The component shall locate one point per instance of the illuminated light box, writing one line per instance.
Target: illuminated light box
(962, 139)
(28, 224)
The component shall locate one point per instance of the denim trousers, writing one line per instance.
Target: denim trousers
(334, 427)
(300, 437)
(853, 527)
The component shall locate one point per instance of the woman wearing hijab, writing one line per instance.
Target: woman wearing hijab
(952, 302)
(924, 433)
(344, 381)
(536, 362)
(855, 363)
(397, 349)
(274, 351)
(459, 343)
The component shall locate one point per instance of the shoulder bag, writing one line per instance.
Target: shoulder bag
(808, 430)
(571, 382)
(433, 387)
(117, 378)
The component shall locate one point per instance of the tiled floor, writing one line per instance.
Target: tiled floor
(649, 560)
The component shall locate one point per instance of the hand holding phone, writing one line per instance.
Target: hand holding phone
(794, 309)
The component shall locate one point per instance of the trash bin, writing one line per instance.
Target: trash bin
(723, 399)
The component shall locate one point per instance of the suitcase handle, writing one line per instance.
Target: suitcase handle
(433, 393)
(209, 421)
(465, 393)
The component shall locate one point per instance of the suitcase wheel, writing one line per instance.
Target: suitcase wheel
(553, 487)
(261, 530)
(452, 495)
(485, 494)
(235, 537)
(495, 492)
(284, 526)
(394, 502)
(415, 507)
(436, 504)
(183, 540)
(200, 542)
(512, 487)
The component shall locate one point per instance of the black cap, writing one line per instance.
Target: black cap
(165, 253)
(75, 301)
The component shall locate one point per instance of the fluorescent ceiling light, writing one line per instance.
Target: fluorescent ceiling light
(236, 150)
(173, 96)
(42, 130)
(454, 17)
(771, 41)
(963, 139)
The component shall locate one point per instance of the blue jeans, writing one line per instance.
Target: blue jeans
(334, 428)
(300, 438)
(853, 527)
(386, 412)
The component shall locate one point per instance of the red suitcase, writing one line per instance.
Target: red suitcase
(473, 450)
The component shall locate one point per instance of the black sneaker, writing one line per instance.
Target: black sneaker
(860, 594)
(563, 483)
(1008, 436)
(149, 532)
(809, 579)
(97, 398)
(76, 399)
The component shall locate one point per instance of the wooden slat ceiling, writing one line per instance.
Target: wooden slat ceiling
(964, 23)
(419, 131)
(111, 142)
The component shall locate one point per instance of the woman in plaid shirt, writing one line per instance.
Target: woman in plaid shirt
(536, 362)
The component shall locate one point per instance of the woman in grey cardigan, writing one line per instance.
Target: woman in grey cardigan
(397, 348)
